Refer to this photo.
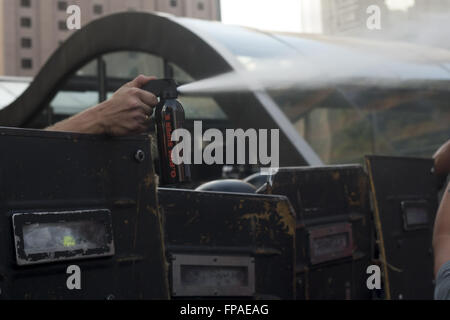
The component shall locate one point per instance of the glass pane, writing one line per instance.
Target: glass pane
(10, 91)
(196, 108)
(180, 75)
(69, 102)
(89, 69)
(121, 67)
(60, 237)
(246, 44)
(128, 65)
(413, 124)
(343, 124)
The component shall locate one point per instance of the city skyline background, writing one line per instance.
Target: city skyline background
(31, 30)
(290, 15)
(426, 22)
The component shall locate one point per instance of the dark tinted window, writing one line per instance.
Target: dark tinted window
(26, 43)
(27, 63)
(25, 22)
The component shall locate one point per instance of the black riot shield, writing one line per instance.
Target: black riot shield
(78, 218)
(405, 202)
(229, 245)
(333, 237)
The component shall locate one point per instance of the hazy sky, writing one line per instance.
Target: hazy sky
(277, 15)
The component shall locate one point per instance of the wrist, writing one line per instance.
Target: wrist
(97, 114)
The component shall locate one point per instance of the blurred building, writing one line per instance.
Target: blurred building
(347, 17)
(336, 17)
(30, 30)
(424, 22)
(429, 6)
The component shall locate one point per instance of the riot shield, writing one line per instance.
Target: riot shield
(79, 218)
(405, 203)
(333, 234)
(229, 245)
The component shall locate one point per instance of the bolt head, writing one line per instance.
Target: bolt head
(140, 156)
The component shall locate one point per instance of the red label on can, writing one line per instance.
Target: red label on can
(168, 125)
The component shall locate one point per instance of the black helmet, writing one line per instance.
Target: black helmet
(257, 179)
(229, 185)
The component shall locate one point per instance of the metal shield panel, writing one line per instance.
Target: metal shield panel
(405, 203)
(237, 230)
(334, 233)
(87, 199)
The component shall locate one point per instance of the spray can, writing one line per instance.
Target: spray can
(169, 116)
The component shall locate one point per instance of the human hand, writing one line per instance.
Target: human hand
(129, 110)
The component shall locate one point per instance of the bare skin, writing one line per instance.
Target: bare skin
(441, 234)
(442, 159)
(126, 113)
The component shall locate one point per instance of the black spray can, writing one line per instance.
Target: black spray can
(169, 116)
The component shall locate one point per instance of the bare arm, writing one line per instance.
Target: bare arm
(441, 234)
(442, 159)
(127, 112)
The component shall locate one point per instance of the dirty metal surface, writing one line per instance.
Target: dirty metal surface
(57, 173)
(226, 230)
(405, 203)
(333, 229)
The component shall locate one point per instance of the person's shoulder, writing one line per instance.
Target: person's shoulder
(442, 290)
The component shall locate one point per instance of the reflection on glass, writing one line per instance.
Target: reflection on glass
(67, 236)
(120, 68)
(130, 64)
(180, 75)
(10, 90)
(416, 216)
(126, 65)
(214, 276)
(196, 108)
(202, 108)
(344, 124)
(90, 69)
(241, 41)
(70, 102)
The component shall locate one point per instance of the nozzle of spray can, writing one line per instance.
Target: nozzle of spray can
(169, 116)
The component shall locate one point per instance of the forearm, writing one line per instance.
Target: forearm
(88, 122)
(442, 159)
(441, 233)
(127, 112)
